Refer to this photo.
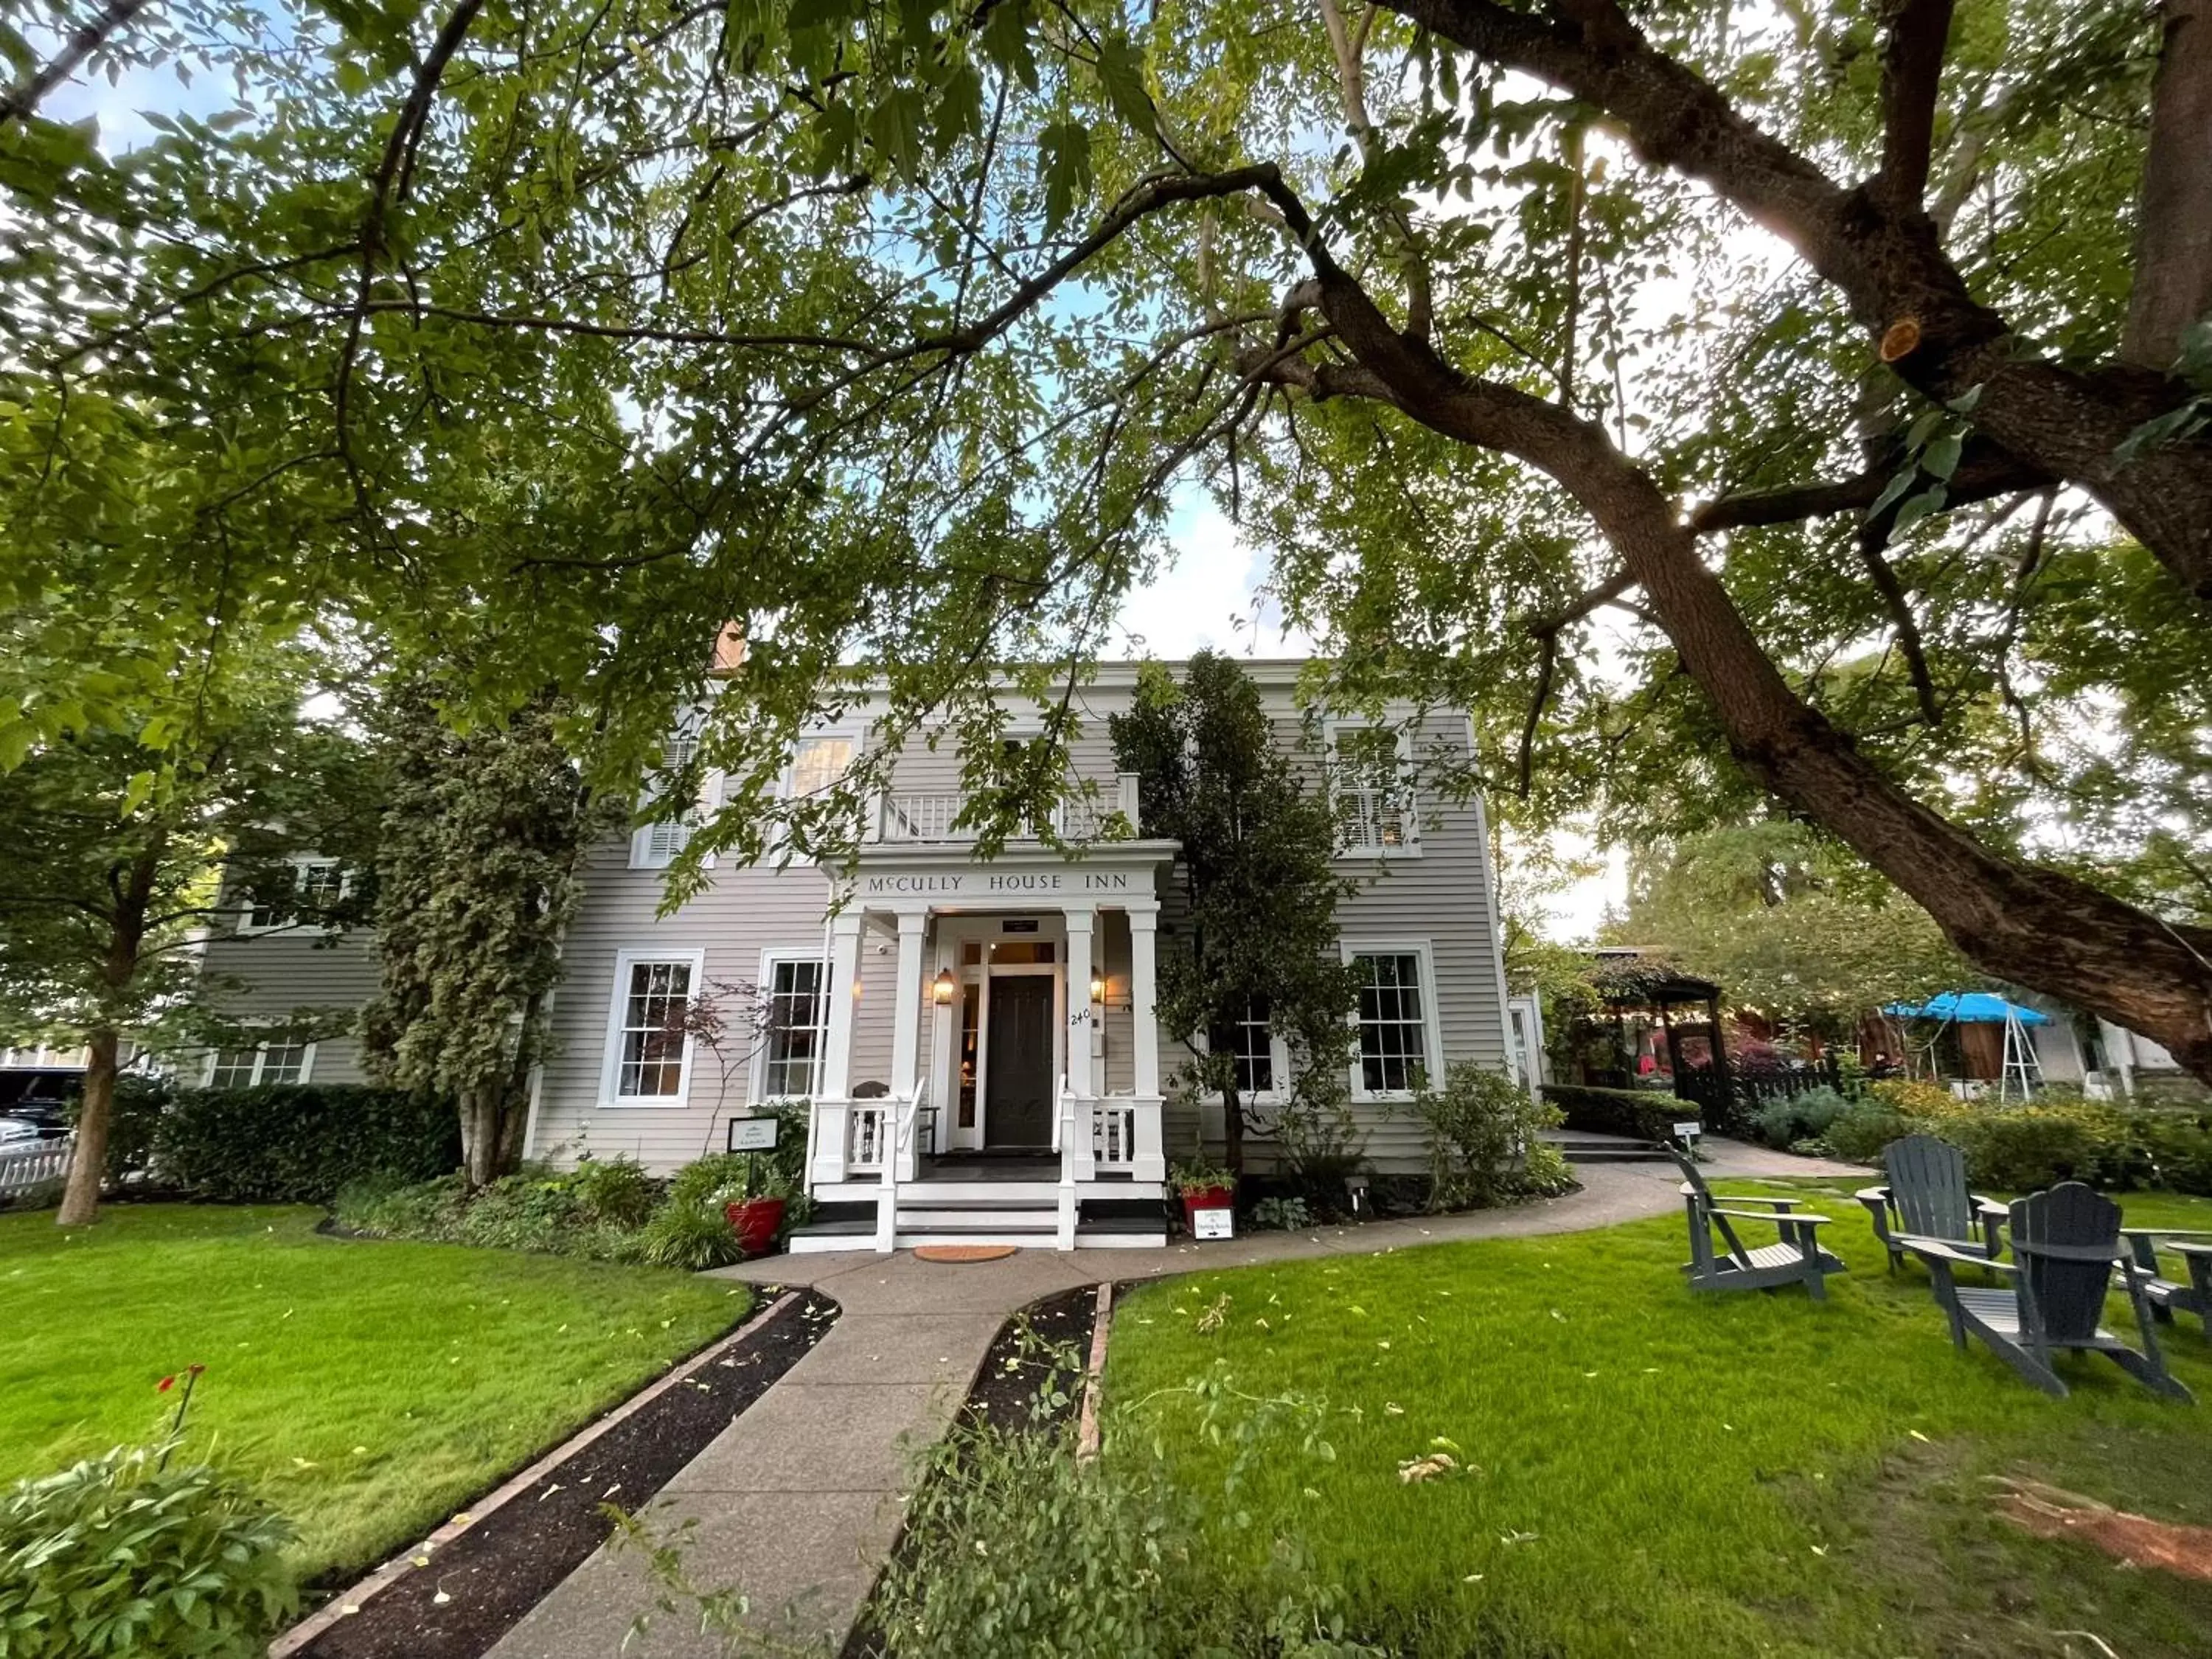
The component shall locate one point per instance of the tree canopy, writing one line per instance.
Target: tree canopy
(553, 338)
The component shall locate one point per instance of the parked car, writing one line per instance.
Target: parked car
(49, 1117)
(15, 1130)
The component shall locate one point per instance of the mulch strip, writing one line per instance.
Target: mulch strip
(503, 1564)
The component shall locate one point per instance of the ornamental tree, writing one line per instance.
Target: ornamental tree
(133, 832)
(479, 856)
(1764, 342)
(1256, 934)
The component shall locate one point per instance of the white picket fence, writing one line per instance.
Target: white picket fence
(30, 1163)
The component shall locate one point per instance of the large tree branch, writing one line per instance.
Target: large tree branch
(81, 44)
(2173, 223)
(1984, 473)
(1911, 76)
(2035, 926)
(1888, 261)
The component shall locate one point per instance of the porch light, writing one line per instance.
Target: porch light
(1098, 988)
(946, 987)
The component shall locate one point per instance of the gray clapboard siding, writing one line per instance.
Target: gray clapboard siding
(286, 975)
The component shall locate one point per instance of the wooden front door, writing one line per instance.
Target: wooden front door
(1018, 1077)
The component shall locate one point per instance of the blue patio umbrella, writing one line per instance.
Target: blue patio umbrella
(1968, 1008)
(2019, 1065)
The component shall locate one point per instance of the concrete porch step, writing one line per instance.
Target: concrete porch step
(1019, 1216)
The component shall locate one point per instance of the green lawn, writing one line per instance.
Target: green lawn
(1661, 1474)
(371, 1388)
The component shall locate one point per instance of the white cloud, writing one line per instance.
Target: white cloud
(1205, 594)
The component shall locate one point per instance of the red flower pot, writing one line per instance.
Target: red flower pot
(755, 1221)
(1213, 1198)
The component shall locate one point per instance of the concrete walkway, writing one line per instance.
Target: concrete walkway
(798, 1502)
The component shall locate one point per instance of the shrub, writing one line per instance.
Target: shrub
(118, 1555)
(1638, 1113)
(1918, 1099)
(1782, 1123)
(615, 1191)
(1859, 1134)
(2180, 1149)
(695, 1236)
(298, 1143)
(134, 1122)
(2023, 1149)
(1280, 1215)
(1480, 1124)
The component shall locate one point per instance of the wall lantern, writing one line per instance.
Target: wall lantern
(946, 987)
(1099, 989)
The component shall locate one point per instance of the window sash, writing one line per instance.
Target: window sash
(1254, 1052)
(650, 1043)
(819, 765)
(1393, 1030)
(1374, 806)
(265, 1063)
(798, 1028)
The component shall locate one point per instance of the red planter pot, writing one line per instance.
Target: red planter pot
(1213, 1198)
(755, 1220)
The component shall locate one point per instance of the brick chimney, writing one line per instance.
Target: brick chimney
(729, 649)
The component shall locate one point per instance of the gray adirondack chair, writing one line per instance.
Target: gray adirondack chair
(1797, 1260)
(2165, 1297)
(2065, 1243)
(1927, 1198)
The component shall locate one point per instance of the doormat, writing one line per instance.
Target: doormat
(962, 1252)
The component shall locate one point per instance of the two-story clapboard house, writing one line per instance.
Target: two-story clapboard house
(976, 1037)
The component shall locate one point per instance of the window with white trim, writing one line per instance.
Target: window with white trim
(316, 884)
(1393, 1022)
(1256, 1070)
(797, 1027)
(1375, 808)
(267, 1062)
(819, 766)
(657, 845)
(651, 1052)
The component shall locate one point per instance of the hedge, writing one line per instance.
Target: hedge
(1637, 1112)
(2022, 1149)
(298, 1143)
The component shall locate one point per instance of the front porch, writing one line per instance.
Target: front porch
(1020, 1102)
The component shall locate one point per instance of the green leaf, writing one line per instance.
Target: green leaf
(1121, 72)
(1927, 500)
(1892, 491)
(1942, 458)
(1064, 159)
(137, 793)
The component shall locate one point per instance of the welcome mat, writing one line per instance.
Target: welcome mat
(962, 1252)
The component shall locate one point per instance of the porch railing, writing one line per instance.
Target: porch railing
(29, 1164)
(921, 818)
(867, 1133)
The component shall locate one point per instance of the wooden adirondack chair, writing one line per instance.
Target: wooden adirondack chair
(2167, 1299)
(1798, 1259)
(1927, 1199)
(2065, 1243)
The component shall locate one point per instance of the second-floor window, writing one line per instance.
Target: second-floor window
(798, 1018)
(1374, 798)
(316, 884)
(657, 845)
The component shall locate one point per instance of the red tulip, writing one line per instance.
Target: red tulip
(164, 1385)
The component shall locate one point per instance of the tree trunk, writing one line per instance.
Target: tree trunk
(2173, 224)
(96, 1114)
(480, 1136)
(2032, 926)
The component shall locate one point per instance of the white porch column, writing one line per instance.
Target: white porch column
(1151, 1163)
(906, 1024)
(833, 1106)
(1080, 1012)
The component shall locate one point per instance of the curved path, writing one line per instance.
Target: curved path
(799, 1501)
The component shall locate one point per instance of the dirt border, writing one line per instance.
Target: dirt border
(781, 1333)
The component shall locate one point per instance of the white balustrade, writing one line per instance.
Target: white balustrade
(1114, 1135)
(866, 1135)
(27, 1164)
(913, 818)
